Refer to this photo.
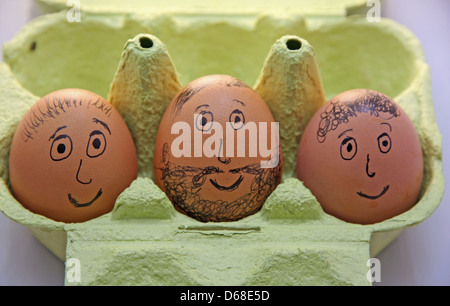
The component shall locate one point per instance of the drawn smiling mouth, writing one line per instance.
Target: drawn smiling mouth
(75, 202)
(227, 188)
(385, 189)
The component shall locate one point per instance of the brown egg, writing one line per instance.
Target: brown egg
(71, 156)
(217, 153)
(361, 157)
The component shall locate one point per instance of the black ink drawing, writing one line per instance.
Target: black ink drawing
(338, 113)
(75, 202)
(182, 185)
(55, 106)
(190, 91)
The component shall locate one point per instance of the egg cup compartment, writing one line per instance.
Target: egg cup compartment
(291, 241)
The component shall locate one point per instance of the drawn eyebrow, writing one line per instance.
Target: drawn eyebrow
(95, 120)
(236, 100)
(185, 96)
(390, 127)
(341, 134)
(57, 130)
(197, 108)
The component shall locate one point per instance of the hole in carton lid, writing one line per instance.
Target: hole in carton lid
(293, 44)
(146, 42)
(33, 46)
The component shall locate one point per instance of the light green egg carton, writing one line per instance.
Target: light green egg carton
(139, 56)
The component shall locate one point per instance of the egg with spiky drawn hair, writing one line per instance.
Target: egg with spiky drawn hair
(217, 152)
(71, 156)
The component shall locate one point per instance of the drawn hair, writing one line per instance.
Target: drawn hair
(190, 91)
(55, 106)
(371, 103)
(185, 96)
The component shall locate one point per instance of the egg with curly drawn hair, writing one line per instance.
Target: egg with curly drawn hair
(361, 157)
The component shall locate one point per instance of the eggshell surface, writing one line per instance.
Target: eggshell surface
(361, 157)
(71, 156)
(217, 152)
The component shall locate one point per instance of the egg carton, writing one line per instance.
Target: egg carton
(296, 57)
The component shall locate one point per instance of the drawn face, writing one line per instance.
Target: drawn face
(361, 157)
(207, 168)
(71, 156)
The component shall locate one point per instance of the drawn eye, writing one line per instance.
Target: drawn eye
(384, 143)
(348, 148)
(237, 119)
(96, 145)
(61, 148)
(204, 121)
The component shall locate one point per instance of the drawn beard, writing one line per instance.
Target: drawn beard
(182, 184)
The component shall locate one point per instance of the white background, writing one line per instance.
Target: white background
(419, 256)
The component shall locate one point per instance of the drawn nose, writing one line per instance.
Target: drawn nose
(225, 161)
(368, 172)
(222, 159)
(78, 175)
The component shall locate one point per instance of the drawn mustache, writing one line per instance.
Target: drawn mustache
(199, 175)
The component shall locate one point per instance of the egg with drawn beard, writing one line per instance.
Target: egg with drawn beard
(71, 156)
(217, 153)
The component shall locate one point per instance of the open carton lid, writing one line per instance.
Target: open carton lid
(212, 7)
